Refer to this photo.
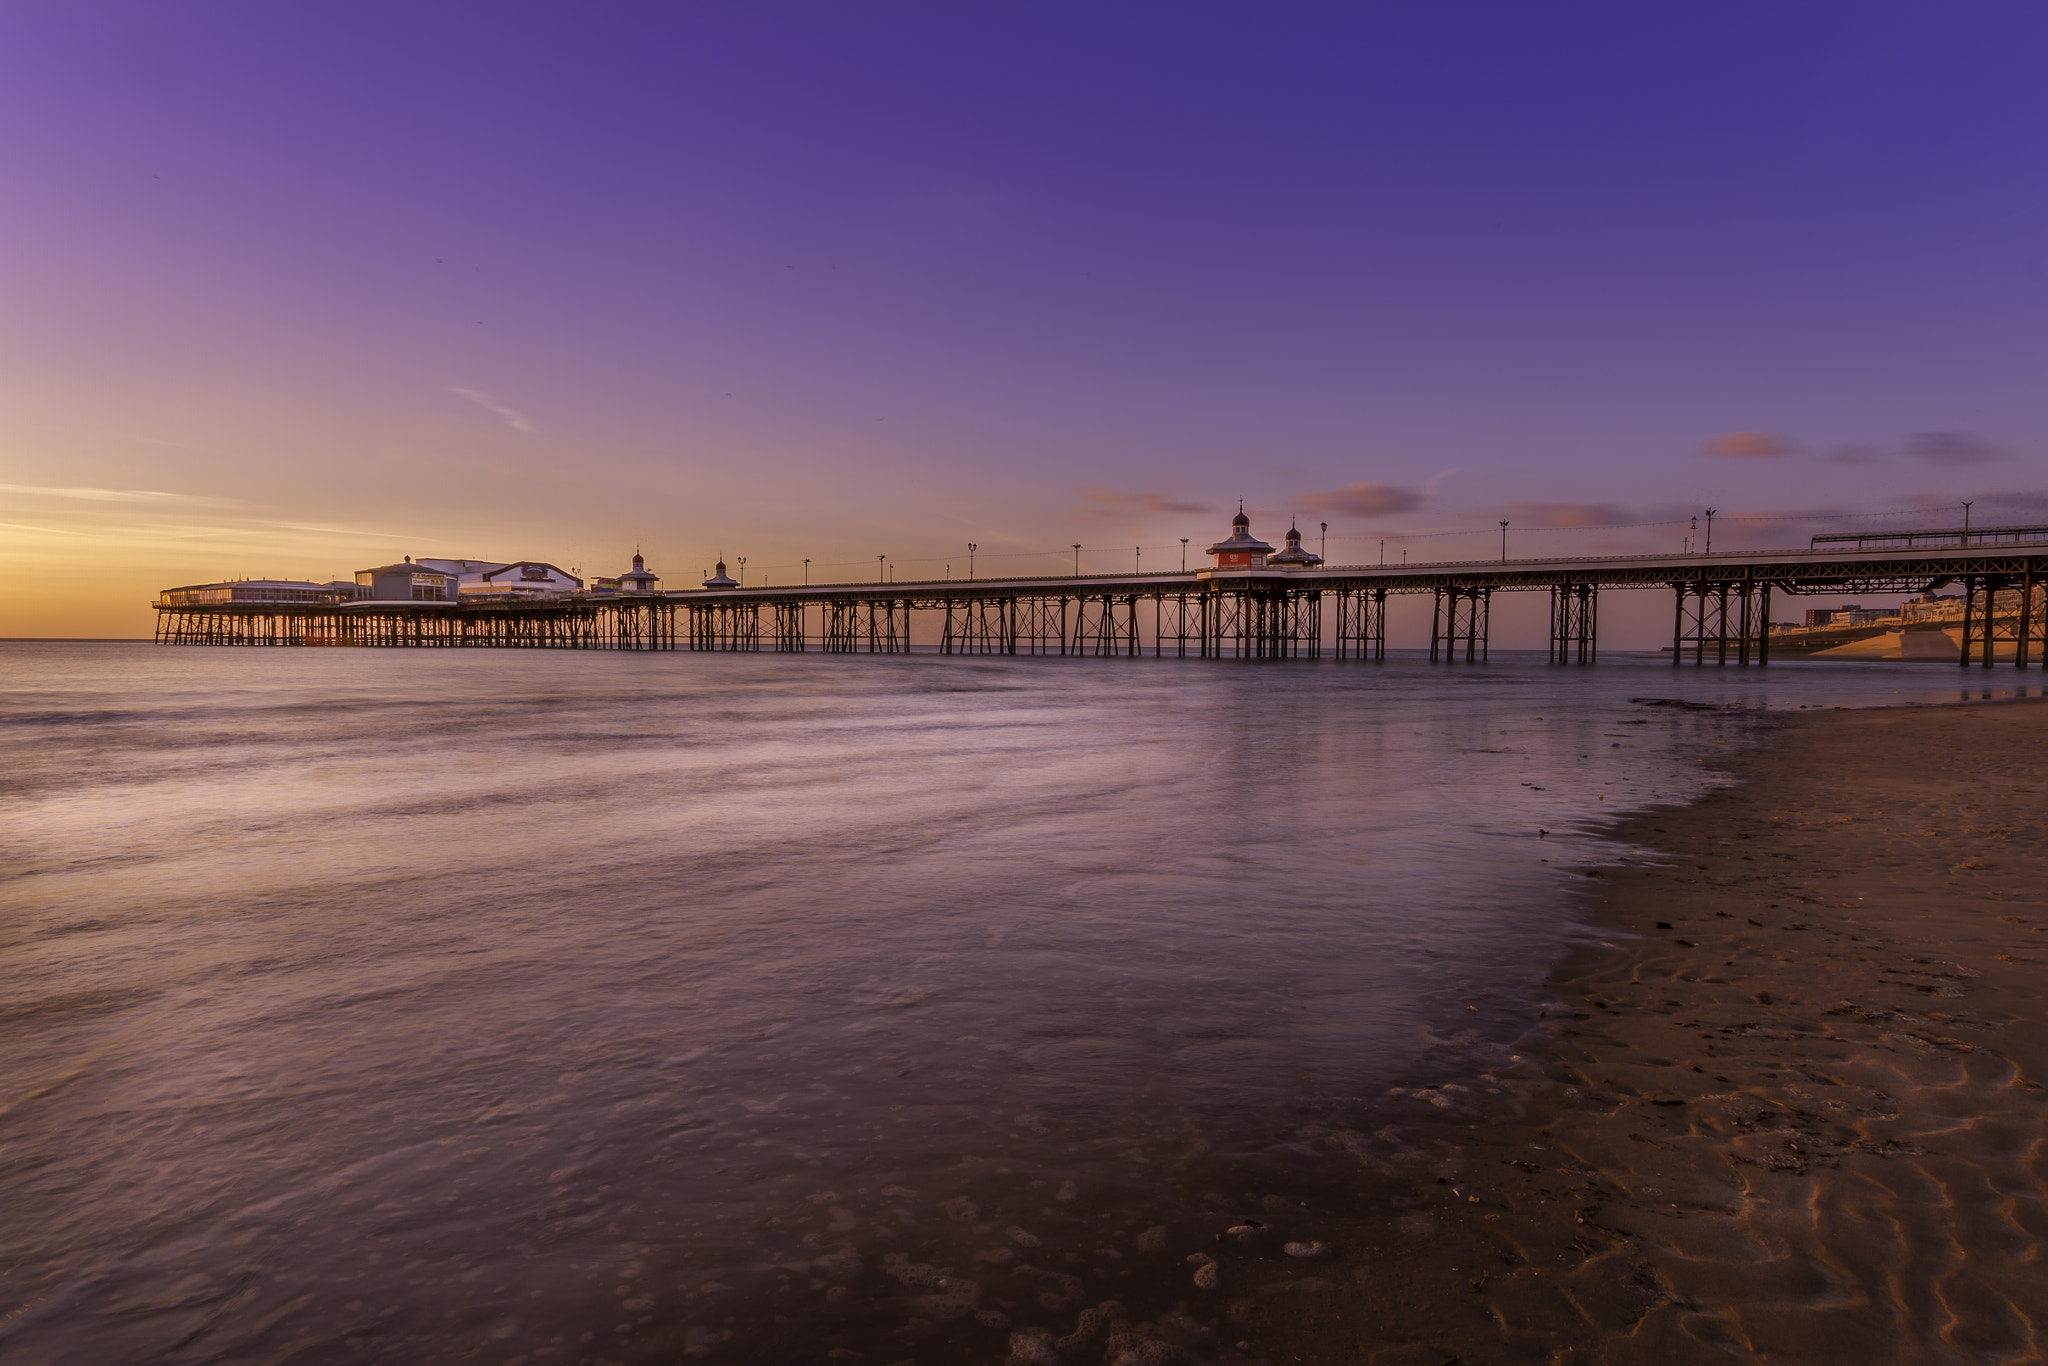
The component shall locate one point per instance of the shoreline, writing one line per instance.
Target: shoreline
(1789, 1108)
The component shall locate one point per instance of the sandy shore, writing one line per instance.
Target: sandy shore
(1789, 1111)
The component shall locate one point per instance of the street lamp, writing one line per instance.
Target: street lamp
(1710, 529)
(1077, 559)
(743, 571)
(1966, 523)
(1183, 554)
(1137, 559)
(1503, 540)
(807, 573)
(1326, 542)
(971, 548)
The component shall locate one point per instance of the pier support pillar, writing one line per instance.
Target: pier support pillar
(1461, 617)
(1574, 623)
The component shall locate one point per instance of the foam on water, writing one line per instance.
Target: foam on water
(391, 1004)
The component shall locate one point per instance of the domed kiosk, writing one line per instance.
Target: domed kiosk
(1241, 550)
(1294, 557)
(637, 579)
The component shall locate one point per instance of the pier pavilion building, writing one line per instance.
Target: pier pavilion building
(257, 592)
(521, 581)
(408, 582)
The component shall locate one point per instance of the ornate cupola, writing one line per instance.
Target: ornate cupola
(637, 579)
(1294, 557)
(719, 579)
(1241, 550)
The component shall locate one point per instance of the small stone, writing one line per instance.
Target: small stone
(1307, 1250)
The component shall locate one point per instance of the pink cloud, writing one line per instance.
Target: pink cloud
(1747, 445)
(1101, 503)
(1365, 499)
(1568, 514)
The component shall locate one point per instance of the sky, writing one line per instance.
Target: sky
(294, 290)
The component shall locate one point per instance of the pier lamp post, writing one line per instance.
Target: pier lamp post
(807, 573)
(1966, 523)
(1183, 554)
(743, 570)
(1137, 559)
(1503, 540)
(1326, 542)
(878, 567)
(971, 548)
(1077, 560)
(1710, 529)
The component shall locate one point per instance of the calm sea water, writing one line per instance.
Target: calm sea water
(446, 1006)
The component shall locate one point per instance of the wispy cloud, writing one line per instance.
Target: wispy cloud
(512, 417)
(1953, 448)
(1747, 446)
(39, 530)
(1103, 504)
(107, 495)
(1366, 499)
(1568, 514)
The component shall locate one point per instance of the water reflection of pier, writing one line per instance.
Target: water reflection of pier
(1721, 610)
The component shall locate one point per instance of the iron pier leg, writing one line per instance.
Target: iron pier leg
(1991, 617)
(2024, 628)
(1969, 607)
(1678, 591)
(1743, 626)
(1763, 640)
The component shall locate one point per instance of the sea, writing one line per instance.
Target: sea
(545, 1007)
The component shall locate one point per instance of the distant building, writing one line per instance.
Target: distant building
(1932, 607)
(407, 582)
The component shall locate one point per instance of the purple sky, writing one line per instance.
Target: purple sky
(296, 289)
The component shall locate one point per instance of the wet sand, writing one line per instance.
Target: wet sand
(1789, 1109)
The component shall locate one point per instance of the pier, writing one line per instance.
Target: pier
(1263, 609)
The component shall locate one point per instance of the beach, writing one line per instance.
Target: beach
(1045, 1090)
(1788, 1108)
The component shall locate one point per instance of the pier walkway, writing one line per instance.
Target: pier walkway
(1721, 609)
